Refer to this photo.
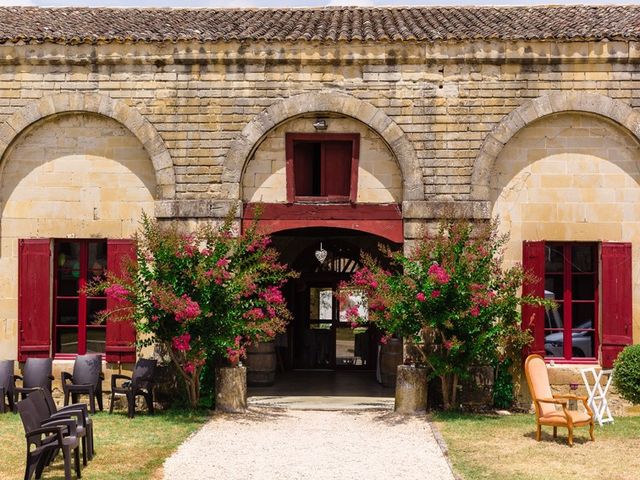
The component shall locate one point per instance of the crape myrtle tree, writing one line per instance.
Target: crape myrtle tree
(202, 296)
(450, 299)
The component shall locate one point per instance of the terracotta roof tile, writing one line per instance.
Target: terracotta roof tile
(331, 24)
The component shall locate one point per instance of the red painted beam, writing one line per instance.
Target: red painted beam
(384, 220)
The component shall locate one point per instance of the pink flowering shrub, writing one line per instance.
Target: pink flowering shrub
(202, 296)
(450, 298)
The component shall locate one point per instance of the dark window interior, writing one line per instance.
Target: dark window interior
(322, 168)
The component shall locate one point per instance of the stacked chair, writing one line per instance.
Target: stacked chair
(49, 429)
(6, 385)
(47, 435)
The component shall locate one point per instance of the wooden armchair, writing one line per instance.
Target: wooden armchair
(546, 403)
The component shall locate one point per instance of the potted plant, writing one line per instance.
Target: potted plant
(452, 302)
(203, 296)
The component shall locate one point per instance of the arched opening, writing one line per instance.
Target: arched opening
(321, 354)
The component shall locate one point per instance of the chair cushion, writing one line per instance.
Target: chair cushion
(558, 418)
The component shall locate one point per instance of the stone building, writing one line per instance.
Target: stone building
(350, 125)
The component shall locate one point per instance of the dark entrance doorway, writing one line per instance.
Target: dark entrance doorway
(320, 337)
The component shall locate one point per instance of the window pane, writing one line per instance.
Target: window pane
(582, 258)
(554, 344)
(351, 348)
(306, 168)
(66, 340)
(97, 259)
(582, 287)
(583, 344)
(67, 312)
(553, 317)
(68, 265)
(95, 306)
(354, 299)
(321, 304)
(554, 258)
(96, 339)
(553, 287)
(582, 315)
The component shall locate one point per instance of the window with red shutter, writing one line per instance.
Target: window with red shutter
(568, 273)
(616, 300)
(322, 167)
(34, 295)
(55, 316)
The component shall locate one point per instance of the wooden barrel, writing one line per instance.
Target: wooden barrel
(261, 364)
(390, 358)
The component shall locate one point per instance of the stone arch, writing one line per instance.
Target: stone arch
(139, 126)
(535, 109)
(323, 102)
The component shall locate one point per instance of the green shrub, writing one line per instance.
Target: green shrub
(627, 374)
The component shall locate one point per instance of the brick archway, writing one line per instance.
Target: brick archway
(323, 102)
(139, 126)
(535, 109)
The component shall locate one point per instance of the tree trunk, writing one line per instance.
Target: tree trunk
(449, 390)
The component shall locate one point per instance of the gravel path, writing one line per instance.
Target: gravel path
(277, 444)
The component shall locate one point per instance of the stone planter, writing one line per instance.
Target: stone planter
(231, 389)
(411, 390)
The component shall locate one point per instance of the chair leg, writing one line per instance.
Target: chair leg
(113, 397)
(77, 459)
(539, 433)
(593, 438)
(555, 432)
(66, 454)
(570, 437)
(92, 450)
(149, 399)
(99, 395)
(2, 394)
(84, 449)
(131, 404)
(92, 402)
(12, 405)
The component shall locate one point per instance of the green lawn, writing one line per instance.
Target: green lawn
(504, 448)
(125, 448)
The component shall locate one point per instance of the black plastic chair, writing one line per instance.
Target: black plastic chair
(45, 440)
(82, 407)
(6, 385)
(36, 374)
(45, 416)
(86, 379)
(140, 383)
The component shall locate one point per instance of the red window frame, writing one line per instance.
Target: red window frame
(81, 297)
(293, 138)
(568, 301)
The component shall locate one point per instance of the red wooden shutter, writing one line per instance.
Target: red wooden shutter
(616, 300)
(336, 168)
(533, 316)
(34, 299)
(121, 335)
